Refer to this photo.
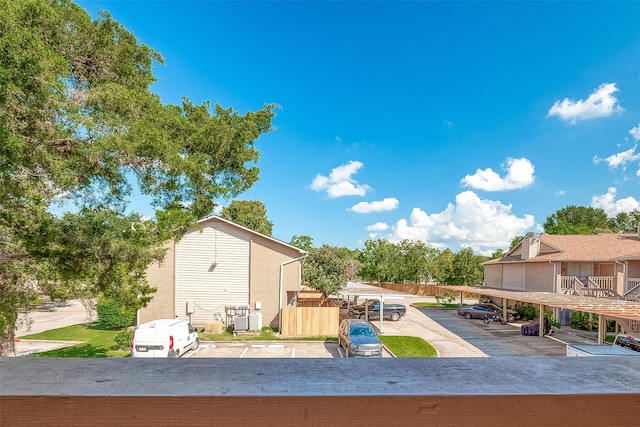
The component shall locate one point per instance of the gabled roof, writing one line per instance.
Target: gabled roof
(233, 224)
(582, 247)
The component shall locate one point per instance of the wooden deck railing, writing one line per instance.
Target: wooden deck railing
(633, 292)
(596, 286)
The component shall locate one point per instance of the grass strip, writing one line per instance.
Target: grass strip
(403, 346)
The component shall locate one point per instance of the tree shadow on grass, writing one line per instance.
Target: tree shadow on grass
(79, 350)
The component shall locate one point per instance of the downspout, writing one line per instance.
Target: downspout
(280, 289)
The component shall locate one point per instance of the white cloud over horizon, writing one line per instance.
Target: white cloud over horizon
(601, 103)
(481, 224)
(611, 206)
(339, 183)
(520, 173)
(387, 204)
(378, 226)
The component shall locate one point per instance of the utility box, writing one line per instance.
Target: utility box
(255, 321)
(240, 323)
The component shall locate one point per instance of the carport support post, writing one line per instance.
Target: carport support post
(381, 314)
(505, 316)
(541, 317)
(602, 329)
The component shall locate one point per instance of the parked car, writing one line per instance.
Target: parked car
(358, 338)
(392, 312)
(475, 311)
(163, 338)
(511, 314)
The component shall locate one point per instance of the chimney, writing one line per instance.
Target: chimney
(530, 246)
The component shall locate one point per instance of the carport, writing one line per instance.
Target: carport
(614, 309)
(368, 292)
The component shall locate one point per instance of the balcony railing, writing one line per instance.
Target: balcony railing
(593, 286)
(633, 292)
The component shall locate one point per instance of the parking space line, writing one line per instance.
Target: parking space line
(244, 352)
(293, 352)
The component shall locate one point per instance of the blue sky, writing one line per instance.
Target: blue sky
(458, 124)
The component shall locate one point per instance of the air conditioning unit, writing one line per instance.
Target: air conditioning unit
(255, 321)
(240, 323)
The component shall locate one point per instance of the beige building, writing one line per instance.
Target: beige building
(222, 264)
(600, 265)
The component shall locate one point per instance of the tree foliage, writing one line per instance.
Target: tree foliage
(328, 268)
(625, 222)
(577, 220)
(467, 268)
(249, 213)
(303, 242)
(80, 127)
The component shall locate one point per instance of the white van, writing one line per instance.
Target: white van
(163, 338)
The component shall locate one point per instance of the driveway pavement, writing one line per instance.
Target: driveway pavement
(50, 316)
(416, 323)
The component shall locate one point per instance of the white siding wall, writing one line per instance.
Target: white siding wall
(211, 288)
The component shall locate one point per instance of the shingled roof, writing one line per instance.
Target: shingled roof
(587, 247)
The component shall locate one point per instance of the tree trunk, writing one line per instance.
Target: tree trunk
(7, 342)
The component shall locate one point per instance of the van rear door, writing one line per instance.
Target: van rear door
(151, 342)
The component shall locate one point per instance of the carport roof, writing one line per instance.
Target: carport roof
(605, 306)
(369, 292)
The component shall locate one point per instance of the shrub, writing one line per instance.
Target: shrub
(123, 339)
(580, 320)
(113, 315)
(526, 310)
(447, 298)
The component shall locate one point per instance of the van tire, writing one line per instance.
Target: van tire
(196, 344)
(173, 354)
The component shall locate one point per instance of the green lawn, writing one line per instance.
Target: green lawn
(435, 305)
(96, 342)
(403, 346)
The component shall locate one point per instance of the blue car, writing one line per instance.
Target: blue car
(358, 338)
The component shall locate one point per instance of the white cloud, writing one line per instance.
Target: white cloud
(561, 193)
(601, 103)
(635, 132)
(339, 182)
(520, 174)
(384, 205)
(611, 206)
(621, 159)
(478, 223)
(378, 226)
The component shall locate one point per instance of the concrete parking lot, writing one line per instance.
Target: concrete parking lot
(450, 334)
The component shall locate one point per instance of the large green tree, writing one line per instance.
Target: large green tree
(625, 222)
(302, 241)
(577, 220)
(249, 213)
(467, 268)
(328, 268)
(80, 126)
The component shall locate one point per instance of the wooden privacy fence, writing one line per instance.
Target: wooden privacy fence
(310, 321)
